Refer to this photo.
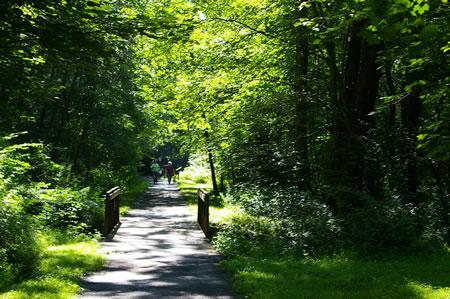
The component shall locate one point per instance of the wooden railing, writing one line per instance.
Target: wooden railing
(203, 211)
(177, 173)
(112, 205)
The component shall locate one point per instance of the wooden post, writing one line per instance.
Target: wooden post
(203, 211)
(177, 173)
(112, 206)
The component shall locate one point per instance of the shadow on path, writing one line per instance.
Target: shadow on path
(159, 251)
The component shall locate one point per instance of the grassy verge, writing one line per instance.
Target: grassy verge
(339, 277)
(219, 213)
(132, 194)
(60, 270)
(66, 257)
(262, 273)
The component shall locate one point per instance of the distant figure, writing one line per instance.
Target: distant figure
(155, 170)
(169, 171)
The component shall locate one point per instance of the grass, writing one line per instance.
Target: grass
(273, 276)
(425, 276)
(218, 211)
(132, 193)
(59, 272)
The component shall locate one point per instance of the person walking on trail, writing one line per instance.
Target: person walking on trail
(155, 170)
(169, 171)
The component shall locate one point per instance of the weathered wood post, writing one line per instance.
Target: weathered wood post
(112, 205)
(203, 211)
(177, 173)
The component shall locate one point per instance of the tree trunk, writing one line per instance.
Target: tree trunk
(411, 106)
(352, 171)
(301, 106)
(213, 172)
(211, 166)
(392, 108)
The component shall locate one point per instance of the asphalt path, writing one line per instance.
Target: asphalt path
(159, 251)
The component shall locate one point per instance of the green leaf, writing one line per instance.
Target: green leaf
(421, 137)
(429, 31)
(411, 86)
(421, 9)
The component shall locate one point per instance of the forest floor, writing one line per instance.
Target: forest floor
(159, 251)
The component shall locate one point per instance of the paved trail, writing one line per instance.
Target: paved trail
(159, 252)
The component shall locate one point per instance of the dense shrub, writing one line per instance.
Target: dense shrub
(79, 210)
(7, 272)
(284, 221)
(19, 248)
(279, 222)
(197, 171)
(34, 197)
(381, 225)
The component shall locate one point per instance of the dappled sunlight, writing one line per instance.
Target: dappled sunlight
(72, 261)
(222, 214)
(428, 291)
(44, 288)
(340, 277)
(60, 270)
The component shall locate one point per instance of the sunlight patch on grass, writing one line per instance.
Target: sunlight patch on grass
(342, 277)
(217, 213)
(60, 271)
(221, 215)
(44, 288)
(187, 186)
(72, 261)
(429, 292)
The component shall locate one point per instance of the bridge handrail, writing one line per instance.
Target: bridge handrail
(203, 211)
(112, 206)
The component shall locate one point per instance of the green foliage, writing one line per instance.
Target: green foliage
(8, 273)
(28, 204)
(74, 82)
(382, 226)
(288, 222)
(197, 170)
(260, 252)
(278, 223)
(79, 210)
(331, 116)
(70, 262)
(254, 236)
(19, 248)
(69, 76)
(45, 232)
(45, 287)
(372, 107)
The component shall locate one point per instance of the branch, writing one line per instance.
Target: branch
(246, 26)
